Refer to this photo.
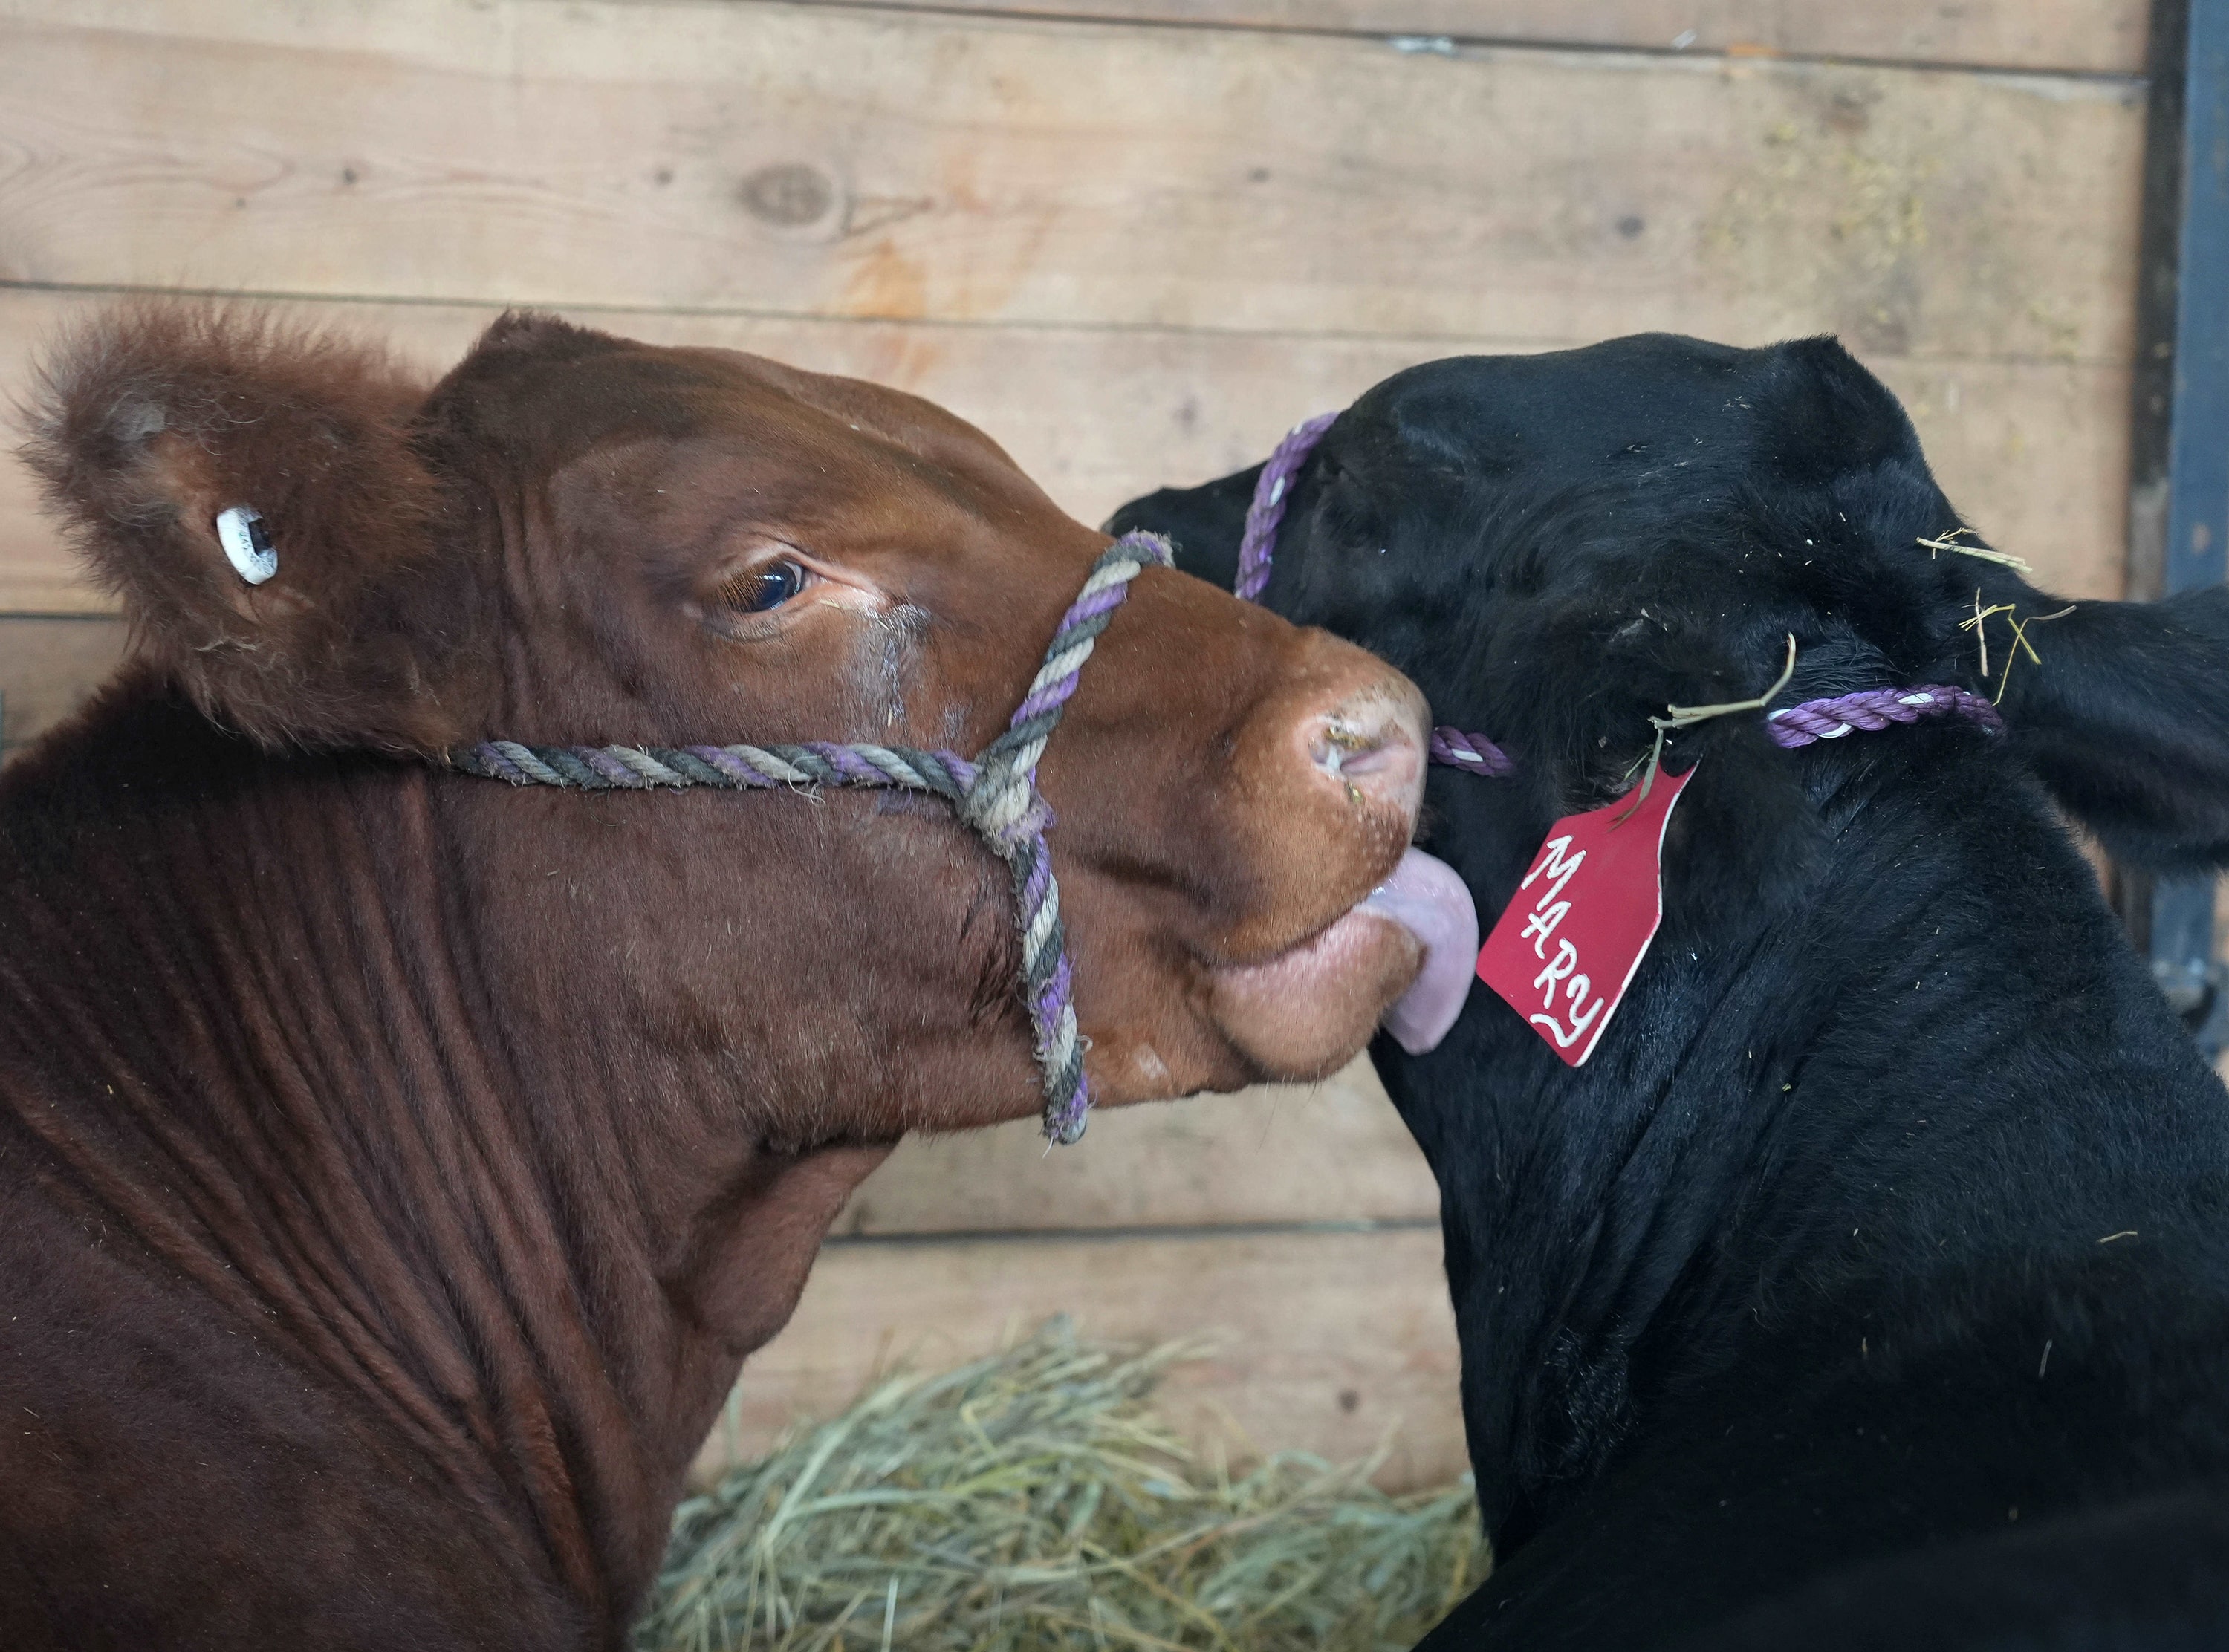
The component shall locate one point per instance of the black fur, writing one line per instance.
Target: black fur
(1797, 1317)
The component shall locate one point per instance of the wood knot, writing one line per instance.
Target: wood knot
(790, 195)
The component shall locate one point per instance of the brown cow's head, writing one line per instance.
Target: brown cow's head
(577, 539)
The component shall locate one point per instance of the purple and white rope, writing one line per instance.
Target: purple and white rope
(1272, 492)
(1873, 709)
(1457, 750)
(995, 794)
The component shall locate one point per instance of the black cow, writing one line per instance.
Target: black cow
(1869, 1287)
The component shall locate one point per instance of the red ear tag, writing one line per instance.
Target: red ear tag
(1572, 935)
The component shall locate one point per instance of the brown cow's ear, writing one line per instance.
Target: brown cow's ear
(159, 432)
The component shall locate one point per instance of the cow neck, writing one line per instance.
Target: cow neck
(1783, 1132)
(527, 1252)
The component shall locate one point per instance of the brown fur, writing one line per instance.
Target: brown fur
(396, 1168)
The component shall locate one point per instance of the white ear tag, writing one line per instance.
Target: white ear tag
(246, 546)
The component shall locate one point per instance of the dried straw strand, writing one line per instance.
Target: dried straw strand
(1948, 542)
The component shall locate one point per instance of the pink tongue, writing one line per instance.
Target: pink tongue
(1425, 897)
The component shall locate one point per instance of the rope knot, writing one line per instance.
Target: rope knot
(1003, 806)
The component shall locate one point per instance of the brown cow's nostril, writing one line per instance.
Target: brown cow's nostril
(1353, 754)
(1370, 744)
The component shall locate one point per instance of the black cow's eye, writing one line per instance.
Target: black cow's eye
(765, 587)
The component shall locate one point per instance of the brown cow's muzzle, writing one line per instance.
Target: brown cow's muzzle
(1316, 920)
(1346, 740)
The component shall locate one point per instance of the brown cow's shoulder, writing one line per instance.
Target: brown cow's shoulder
(193, 1343)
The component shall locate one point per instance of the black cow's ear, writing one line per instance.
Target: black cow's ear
(1205, 523)
(1822, 415)
(2125, 717)
(251, 495)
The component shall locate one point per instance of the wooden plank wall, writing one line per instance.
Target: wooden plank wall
(1134, 240)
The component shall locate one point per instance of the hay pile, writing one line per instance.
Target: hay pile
(1032, 1502)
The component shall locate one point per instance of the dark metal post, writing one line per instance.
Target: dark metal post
(2197, 538)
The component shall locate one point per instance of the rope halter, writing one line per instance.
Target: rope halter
(995, 795)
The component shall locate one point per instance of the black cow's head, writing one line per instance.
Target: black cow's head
(1558, 546)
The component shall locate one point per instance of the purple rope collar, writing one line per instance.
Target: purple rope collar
(1805, 724)
(1873, 709)
(996, 795)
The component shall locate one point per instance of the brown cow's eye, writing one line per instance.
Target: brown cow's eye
(765, 587)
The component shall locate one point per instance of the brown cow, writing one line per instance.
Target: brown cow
(397, 1167)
